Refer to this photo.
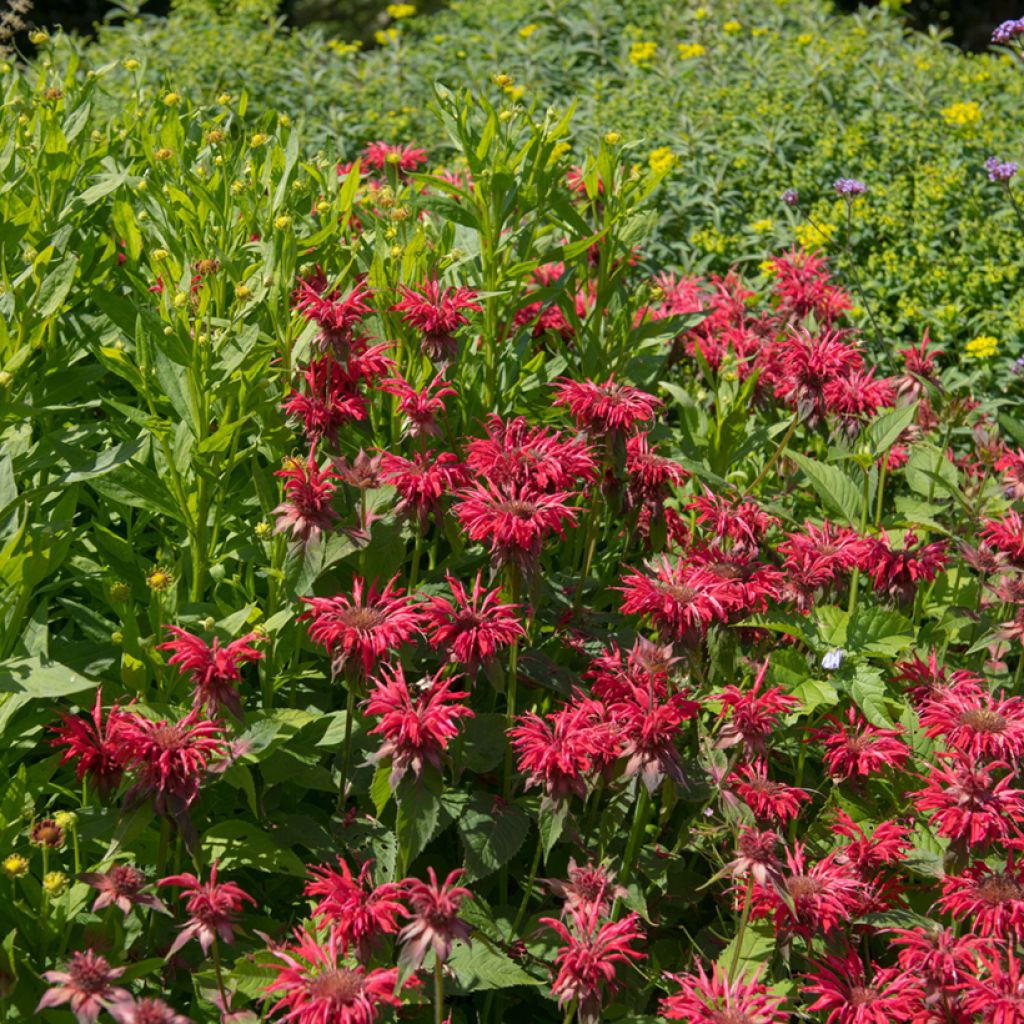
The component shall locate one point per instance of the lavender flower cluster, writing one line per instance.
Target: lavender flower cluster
(1000, 170)
(849, 187)
(1008, 30)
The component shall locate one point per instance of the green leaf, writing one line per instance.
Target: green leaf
(240, 843)
(551, 822)
(883, 433)
(417, 818)
(758, 944)
(491, 835)
(868, 692)
(815, 693)
(834, 487)
(879, 632)
(483, 741)
(832, 625)
(480, 968)
(36, 680)
(55, 287)
(380, 788)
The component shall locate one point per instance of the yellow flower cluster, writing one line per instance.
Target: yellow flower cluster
(642, 53)
(661, 159)
(399, 11)
(342, 48)
(687, 51)
(527, 30)
(982, 347)
(811, 235)
(734, 28)
(962, 115)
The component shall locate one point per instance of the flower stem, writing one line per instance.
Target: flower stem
(744, 919)
(528, 888)
(438, 990)
(780, 448)
(350, 712)
(220, 977)
(640, 814)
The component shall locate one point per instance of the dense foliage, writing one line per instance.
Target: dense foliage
(430, 590)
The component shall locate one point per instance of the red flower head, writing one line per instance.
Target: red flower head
(357, 912)
(770, 801)
(859, 749)
(755, 714)
(336, 317)
(145, 1011)
(514, 521)
(849, 996)
(1006, 535)
(212, 670)
(473, 627)
(606, 408)
(1011, 465)
(421, 408)
(886, 846)
(314, 988)
(379, 155)
(433, 918)
(992, 901)
(747, 584)
(121, 887)
(589, 890)
(742, 522)
(416, 730)
(969, 804)
(857, 396)
(919, 369)
(974, 721)
(351, 628)
(438, 313)
(213, 908)
(422, 481)
(650, 475)
(589, 959)
(330, 400)
(306, 510)
(170, 758)
(995, 993)
(818, 556)
(85, 984)
(943, 959)
(800, 281)
(756, 858)
(721, 1000)
(898, 572)
(94, 746)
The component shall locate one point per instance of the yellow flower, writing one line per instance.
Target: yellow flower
(263, 530)
(259, 139)
(982, 347)
(805, 39)
(224, 99)
(612, 138)
(399, 11)
(687, 51)
(159, 579)
(732, 27)
(131, 64)
(66, 819)
(961, 115)
(527, 30)
(761, 226)
(768, 268)
(159, 255)
(343, 48)
(15, 866)
(515, 92)
(282, 222)
(559, 150)
(701, 13)
(55, 883)
(502, 81)
(171, 99)
(810, 235)
(39, 37)
(385, 37)
(642, 53)
(661, 160)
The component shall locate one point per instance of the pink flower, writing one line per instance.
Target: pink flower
(145, 1011)
(85, 984)
(589, 959)
(606, 408)
(848, 996)
(330, 400)
(754, 715)
(859, 749)
(417, 729)
(976, 722)
(899, 572)
(306, 509)
(433, 918)
(336, 317)
(721, 1000)
(999, 997)
(992, 901)
(741, 521)
(314, 988)
(650, 475)
(379, 155)
(423, 481)
(421, 408)
(212, 670)
(589, 890)
(770, 801)
(937, 955)
(94, 746)
(213, 908)
(121, 887)
(1006, 535)
(801, 281)
(437, 312)
(756, 858)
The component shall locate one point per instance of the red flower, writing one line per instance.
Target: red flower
(742, 522)
(650, 474)
(604, 408)
(993, 901)
(721, 1000)
(1006, 535)
(919, 369)
(860, 749)
(422, 481)
(93, 745)
(433, 918)
(747, 585)
(886, 846)
(330, 400)
(801, 281)
(969, 804)
(998, 998)
(314, 988)
(379, 155)
(85, 984)
(514, 521)
(848, 996)
(416, 729)
(589, 890)
(213, 909)
(755, 714)
(817, 556)
(438, 313)
(336, 317)
(121, 887)
(857, 396)
(357, 912)
(306, 510)
(421, 408)
(367, 631)
(974, 721)
(943, 959)
(756, 858)
(474, 626)
(212, 670)
(899, 571)
(1011, 465)
(170, 757)
(770, 801)
(145, 1011)
(589, 959)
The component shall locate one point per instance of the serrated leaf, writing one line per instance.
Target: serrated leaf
(880, 632)
(380, 788)
(479, 968)
(551, 822)
(756, 948)
(837, 490)
(239, 842)
(881, 435)
(417, 818)
(868, 692)
(36, 680)
(483, 744)
(815, 693)
(491, 836)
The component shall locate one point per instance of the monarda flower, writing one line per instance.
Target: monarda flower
(649, 474)
(858, 749)
(974, 721)
(380, 155)
(940, 957)
(145, 1011)
(1011, 465)
(416, 729)
(802, 284)
(357, 912)
(919, 370)
(86, 985)
(722, 1000)
(365, 627)
(213, 908)
(420, 408)
(514, 521)
(857, 396)
(1006, 535)
(121, 887)
(606, 408)
(329, 401)
(898, 572)
(474, 626)
(212, 670)
(886, 846)
(769, 801)
(433, 918)
(306, 510)
(817, 556)
(994, 993)
(991, 901)
(589, 890)
(751, 717)
(848, 996)
(757, 858)
(94, 746)
(742, 522)
(313, 987)
(170, 758)
(437, 312)
(422, 481)
(335, 316)
(589, 959)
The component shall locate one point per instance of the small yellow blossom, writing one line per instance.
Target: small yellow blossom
(559, 150)
(805, 39)
(768, 268)
(263, 530)
(163, 154)
(172, 99)
(515, 92)
(761, 226)
(159, 255)
(15, 866)
(687, 51)
(66, 819)
(243, 292)
(502, 81)
(810, 235)
(962, 115)
(382, 38)
(527, 30)
(259, 139)
(343, 48)
(38, 37)
(982, 347)
(642, 53)
(700, 13)
(399, 11)
(282, 222)
(159, 579)
(732, 27)
(224, 99)
(131, 64)
(55, 884)
(661, 159)
(612, 138)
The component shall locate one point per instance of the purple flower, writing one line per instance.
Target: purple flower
(1008, 31)
(790, 197)
(1000, 170)
(849, 187)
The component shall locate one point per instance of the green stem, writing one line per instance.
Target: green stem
(220, 977)
(438, 990)
(528, 888)
(744, 919)
(350, 713)
(640, 814)
(780, 448)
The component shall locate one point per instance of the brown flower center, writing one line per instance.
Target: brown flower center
(126, 880)
(1000, 888)
(519, 509)
(861, 995)
(338, 986)
(801, 886)
(362, 619)
(682, 594)
(983, 720)
(730, 1015)
(89, 974)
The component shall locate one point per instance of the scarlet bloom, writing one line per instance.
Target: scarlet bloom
(422, 481)
(859, 749)
(756, 857)
(212, 670)
(886, 846)
(357, 911)
(85, 984)
(335, 316)
(940, 957)
(857, 396)
(437, 312)
(975, 721)
(473, 626)
(754, 714)
(998, 996)
(94, 746)
(993, 901)
(589, 959)
(742, 522)
(145, 1011)
(121, 887)
(364, 630)
(650, 474)
(433, 918)
(816, 557)
(848, 996)
(1006, 535)
(330, 399)
(213, 908)
(420, 408)
(306, 509)
(801, 281)
(718, 999)
(608, 407)
(588, 890)
(514, 521)
(769, 800)
(314, 988)
(416, 730)
(899, 571)
(170, 757)
(379, 155)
